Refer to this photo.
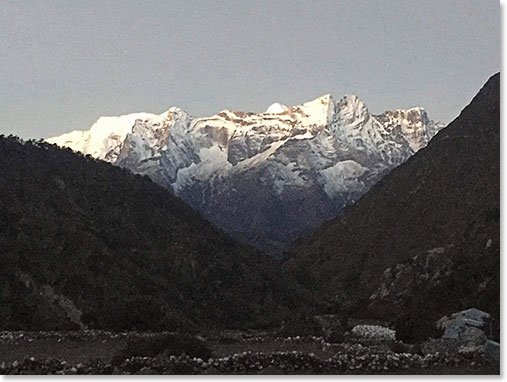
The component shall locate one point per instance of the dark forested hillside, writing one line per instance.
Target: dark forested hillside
(86, 244)
(425, 239)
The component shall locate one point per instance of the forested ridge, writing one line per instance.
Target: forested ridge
(84, 243)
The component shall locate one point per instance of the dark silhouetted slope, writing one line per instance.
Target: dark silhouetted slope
(87, 244)
(445, 200)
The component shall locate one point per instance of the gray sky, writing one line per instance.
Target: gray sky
(66, 63)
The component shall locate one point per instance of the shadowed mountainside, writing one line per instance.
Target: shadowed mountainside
(87, 244)
(441, 206)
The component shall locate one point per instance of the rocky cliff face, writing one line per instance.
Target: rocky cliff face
(266, 177)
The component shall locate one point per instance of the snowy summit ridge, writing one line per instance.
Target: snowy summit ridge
(276, 108)
(273, 174)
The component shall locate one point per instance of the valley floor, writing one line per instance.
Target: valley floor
(234, 352)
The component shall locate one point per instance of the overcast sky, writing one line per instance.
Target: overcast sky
(66, 63)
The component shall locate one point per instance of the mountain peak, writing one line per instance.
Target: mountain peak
(352, 100)
(325, 98)
(176, 113)
(276, 108)
(175, 109)
(216, 162)
(352, 109)
(318, 111)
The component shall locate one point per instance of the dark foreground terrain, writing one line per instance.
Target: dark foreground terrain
(232, 352)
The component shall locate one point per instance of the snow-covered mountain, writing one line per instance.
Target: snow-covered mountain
(266, 177)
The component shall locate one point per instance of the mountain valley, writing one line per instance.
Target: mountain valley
(266, 178)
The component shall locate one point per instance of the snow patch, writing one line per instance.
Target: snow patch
(343, 176)
(213, 162)
(286, 176)
(276, 108)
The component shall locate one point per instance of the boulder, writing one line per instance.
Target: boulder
(492, 350)
(471, 325)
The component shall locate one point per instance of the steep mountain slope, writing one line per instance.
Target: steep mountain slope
(266, 177)
(424, 240)
(87, 244)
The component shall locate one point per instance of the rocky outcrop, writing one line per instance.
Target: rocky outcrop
(402, 281)
(492, 350)
(471, 325)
